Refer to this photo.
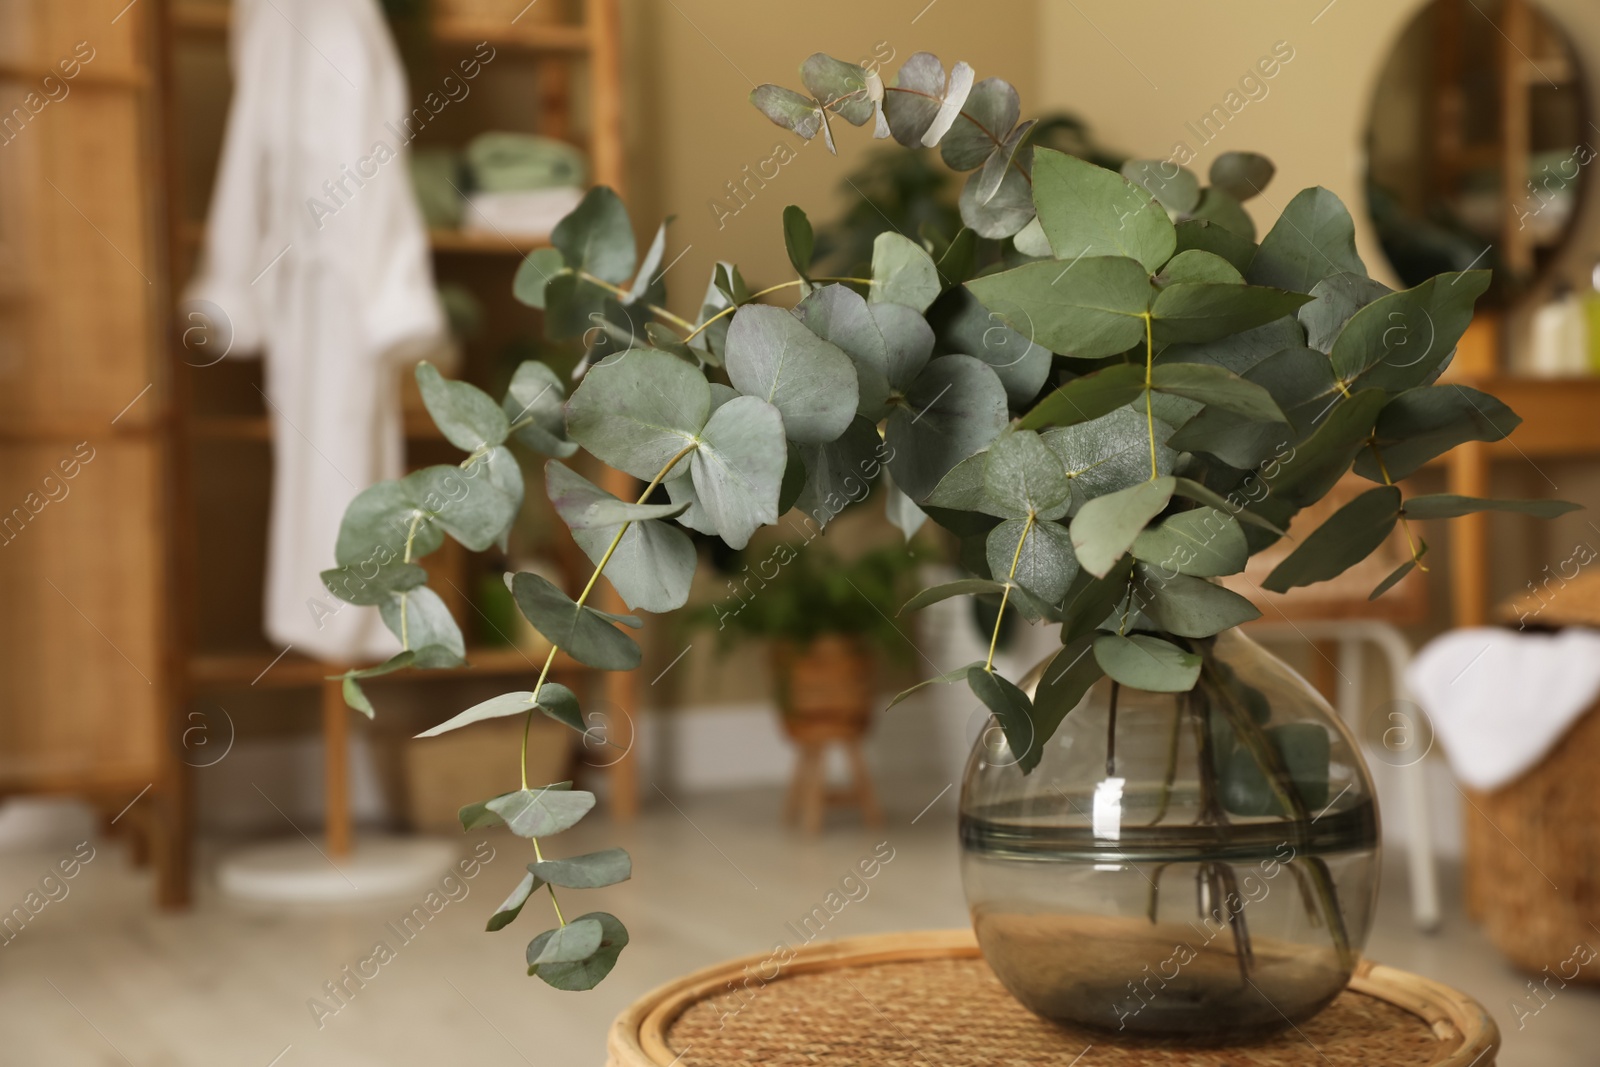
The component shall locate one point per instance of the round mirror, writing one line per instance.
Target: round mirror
(1478, 144)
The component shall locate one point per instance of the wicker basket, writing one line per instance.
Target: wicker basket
(824, 689)
(930, 998)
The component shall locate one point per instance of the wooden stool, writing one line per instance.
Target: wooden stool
(929, 997)
(809, 794)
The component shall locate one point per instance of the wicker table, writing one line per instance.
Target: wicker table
(928, 998)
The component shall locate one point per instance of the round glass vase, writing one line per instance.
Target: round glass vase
(1196, 866)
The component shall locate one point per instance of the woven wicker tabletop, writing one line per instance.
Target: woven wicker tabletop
(930, 999)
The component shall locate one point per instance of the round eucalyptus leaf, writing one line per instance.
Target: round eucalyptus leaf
(1241, 174)
(584, 633)
(1015, 154)
(902, 272)
(1188, 606)
(841, 317)
(652, 565)
(999, 211)
(475, 506)
(1313, 239)
(789, 109)
(1196, 265)
(840, 472)
(1041, 553)
(1208, 236)
(511, 907)
(540, 812)
(912, 100)
(1031, 241)
(738, 467)
(991, 110)
(1109, 453)
(1089, 308)
(637, 410)
(1172, 186)
(1090, 211)
(1022, 478)
(536, 395)
(591, 970)
(840, 87)
(369, 586)
(561, 704)
(798, 239)
(493, 708)
(575, 941)
(1010, 707)
(535, 273)
(773, 356)
(955, 408)
(1209, 311)
(1333, 300)
(1203, 541)
(597, 238)
(961, 324)
(589, 871)
(1106, 526)
(427, 621)
(376, 526)
(907, 340)
(1148, 663)
(464, 415)
(1223, 211)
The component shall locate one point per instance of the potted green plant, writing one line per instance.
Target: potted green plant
(1139, 398)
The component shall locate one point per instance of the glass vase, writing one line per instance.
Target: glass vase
(1197, 866)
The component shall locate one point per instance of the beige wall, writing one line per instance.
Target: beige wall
(693, 129)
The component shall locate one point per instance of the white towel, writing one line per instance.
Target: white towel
(317, 254)
(1499, 701)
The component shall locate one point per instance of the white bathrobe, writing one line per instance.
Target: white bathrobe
(317, 257)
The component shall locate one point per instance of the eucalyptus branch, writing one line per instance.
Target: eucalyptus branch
(411, 540)
(1405, 523)
(617, 290)
(769, 289)
(1016, 557)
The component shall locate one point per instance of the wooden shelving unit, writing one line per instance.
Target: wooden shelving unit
(548, 56)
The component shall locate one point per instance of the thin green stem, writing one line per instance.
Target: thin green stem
(1405, 523)
(549, 660)
(769, 289)
(619, 291)
(994, 639)
(411, 540)
(1149, 410)
(538, 856)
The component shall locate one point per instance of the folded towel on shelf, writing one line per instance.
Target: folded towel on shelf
(515, 162)
(526, 214)
(1499, 701)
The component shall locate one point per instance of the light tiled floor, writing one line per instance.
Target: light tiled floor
(98, 978)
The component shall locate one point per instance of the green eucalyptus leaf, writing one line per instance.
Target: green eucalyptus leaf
(1424, 423)
(1173, 187)
(902, 272)
(652, 565)
(575, 307)
(999, 210)
(480, 816)
(1240, 352)
(1037, 556)
(1013, 159)
(1023, 477)
(1299, 380)
(1210, 311)
(962, 325)
(427, 621)
(597, 237)
(1091, 600)
(962, 489)
(476, 506)
(1201, 494)
(592, 969)
(1206, 235)
(772, 355)
(1344, 539)
(1061, 688)
(841, 87)
(1089, 308)
(1145, 662)
(1188, 606)
(901, 511)
(738, 468)
(1306, 475)
(353, 587)
(377, 525)
(1011, 708)
(1216, 387)
(637, 410)
(589, 871)
(1404, 339)
(1333, 300)
(570, 943)
(1205, 542)
(647, 282)
(911, 101)
(1198, 266)
(1090, 211)
(957, 675)
(1313, 239)
(1087, 398)
(1031, 241)
(1451, 506)
(1241, 175)
(960, 587)
(1106, 526)
(840, 472)
(955, 408)
(561, 704)
(535, 273)
(1110, 453)
(1393, 579)
(1225, 212)
(788, 109)
(584, 633)
(536, 394)
(986, 119)
(798, 239)
(841, 317)
(959, 261)
(511, 907)
(908, 343)
(538, 812)
(493, 708)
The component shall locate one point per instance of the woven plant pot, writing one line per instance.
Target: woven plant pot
(824, 688)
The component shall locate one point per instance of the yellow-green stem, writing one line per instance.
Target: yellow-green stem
(769, 289)
(411, 539)
(1405, 524)
(1149, 409)
(994, 638)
